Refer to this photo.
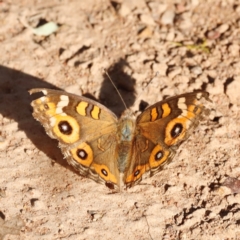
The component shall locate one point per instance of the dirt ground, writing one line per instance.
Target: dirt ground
(184, 46)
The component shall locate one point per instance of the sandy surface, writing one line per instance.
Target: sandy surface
(192, 45)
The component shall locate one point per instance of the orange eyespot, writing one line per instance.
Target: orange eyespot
(65, 128)
(158, 156)
(137, 173)
(83, 154)
(176, 130)
(105, 173)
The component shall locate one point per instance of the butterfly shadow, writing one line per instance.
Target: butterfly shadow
(125, 85)
(15, 106)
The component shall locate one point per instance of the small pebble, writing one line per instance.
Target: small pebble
(168, 17)
(197, 70)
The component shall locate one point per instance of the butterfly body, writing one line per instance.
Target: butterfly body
(117, 152)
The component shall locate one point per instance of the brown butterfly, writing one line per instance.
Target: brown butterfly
(112, 151)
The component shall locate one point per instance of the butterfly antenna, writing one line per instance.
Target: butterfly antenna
(116, 89)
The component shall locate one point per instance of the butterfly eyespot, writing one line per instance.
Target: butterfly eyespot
(136, 173)
(176, 130)
(104, 172)
(65, 127)
(82, 154)
(46, 106)
(159, 155)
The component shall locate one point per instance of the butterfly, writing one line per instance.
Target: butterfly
(118, 152)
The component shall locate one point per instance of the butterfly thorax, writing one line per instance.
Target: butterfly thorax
(126, 133)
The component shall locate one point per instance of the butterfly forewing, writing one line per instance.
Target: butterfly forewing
(169, 122)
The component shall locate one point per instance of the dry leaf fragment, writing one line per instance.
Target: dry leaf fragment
(46, 29)
(12, 226)
(43, 30)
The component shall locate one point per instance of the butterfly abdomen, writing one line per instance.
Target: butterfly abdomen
(125, 140)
